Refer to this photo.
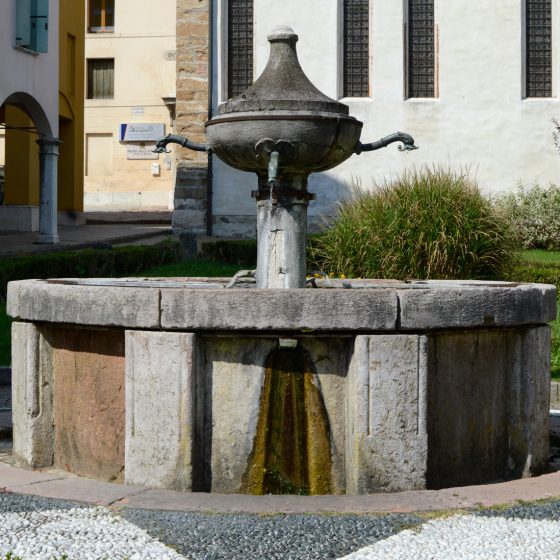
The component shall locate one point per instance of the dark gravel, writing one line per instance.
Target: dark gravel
(20, 503)
(541, 510)
(220, 536)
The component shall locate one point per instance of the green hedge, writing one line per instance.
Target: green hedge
(527, 271)
(239, 251)
(121, 261)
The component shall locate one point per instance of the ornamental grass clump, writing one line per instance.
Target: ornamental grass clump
(429, 223)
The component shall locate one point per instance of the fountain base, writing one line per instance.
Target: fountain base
(163, 382)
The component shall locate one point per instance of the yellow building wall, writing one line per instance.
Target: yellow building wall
(22, 160)
(71, 105)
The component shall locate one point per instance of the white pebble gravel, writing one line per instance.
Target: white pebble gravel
(466, 537)
(80, 534)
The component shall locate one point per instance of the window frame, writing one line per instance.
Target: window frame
(408, 93)
(103, 28)
(344, 78)
(229, 90)
(90, 84)
(525, 52)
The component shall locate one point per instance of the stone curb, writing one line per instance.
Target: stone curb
(60, 485)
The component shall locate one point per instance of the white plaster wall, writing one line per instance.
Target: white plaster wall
(144, 33)
(479, 122)
(32, 74)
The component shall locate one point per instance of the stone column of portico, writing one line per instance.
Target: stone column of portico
(48, 154)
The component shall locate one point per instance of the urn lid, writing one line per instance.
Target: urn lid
(283, 86)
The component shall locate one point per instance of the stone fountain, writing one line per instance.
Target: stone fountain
(271, 386)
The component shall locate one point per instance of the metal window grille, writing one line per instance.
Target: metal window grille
(240, 46)
(421, 48)
(539, 48)
(101, 78)
(356, 48)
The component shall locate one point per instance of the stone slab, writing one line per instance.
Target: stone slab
(78, 489)
(233, 372)
(555, 395)
(444, 305)
(468, 408)
(160, 411)
(38, 300)
(88, 401)
(32, 386)
(279, 310)
(554, 423)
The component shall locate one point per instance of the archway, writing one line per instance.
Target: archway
(30, 168)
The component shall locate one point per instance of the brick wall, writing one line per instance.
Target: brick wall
(191, 113)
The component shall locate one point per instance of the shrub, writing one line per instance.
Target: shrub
(120, 261)
(231, 251)
(430, 223)
(534, 215)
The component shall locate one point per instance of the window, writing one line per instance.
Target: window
(421, 51)
(32, 25)
(538, 41)
(240, 46)
(101, 16)
(356, 48)
(101, 72)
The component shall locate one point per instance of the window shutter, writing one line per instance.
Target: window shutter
(23, 23)
(40, 24)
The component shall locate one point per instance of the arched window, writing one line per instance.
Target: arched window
(538, 48)
(356, 48)
(240, 46)
(421, 49)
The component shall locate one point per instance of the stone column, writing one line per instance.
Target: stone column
(48, 154)
(282, 234)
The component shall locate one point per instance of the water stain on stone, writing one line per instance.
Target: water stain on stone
(291, 453)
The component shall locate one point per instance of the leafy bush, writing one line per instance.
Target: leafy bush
(430, 223)
(120, 261)
(534, 214)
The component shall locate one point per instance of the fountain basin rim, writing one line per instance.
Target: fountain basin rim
(280, 115)
(389, 308)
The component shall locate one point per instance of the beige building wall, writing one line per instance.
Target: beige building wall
(142, 45)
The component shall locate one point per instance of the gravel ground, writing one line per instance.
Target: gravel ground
(42, 529)
(282, 537)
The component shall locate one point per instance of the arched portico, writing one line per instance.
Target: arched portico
(48, 163)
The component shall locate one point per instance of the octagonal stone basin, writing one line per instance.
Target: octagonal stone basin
(163, 382)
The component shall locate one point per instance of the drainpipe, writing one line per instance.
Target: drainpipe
(210, 176)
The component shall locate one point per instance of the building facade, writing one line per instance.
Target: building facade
(477, 88)
(41, 114)
(130, 103)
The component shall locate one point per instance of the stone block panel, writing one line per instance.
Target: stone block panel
(160, 409)
(39, 300)
(460, 305)
(387, 444)
(88, 370)
(32, 394)
(274, 310)
(468, 408)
